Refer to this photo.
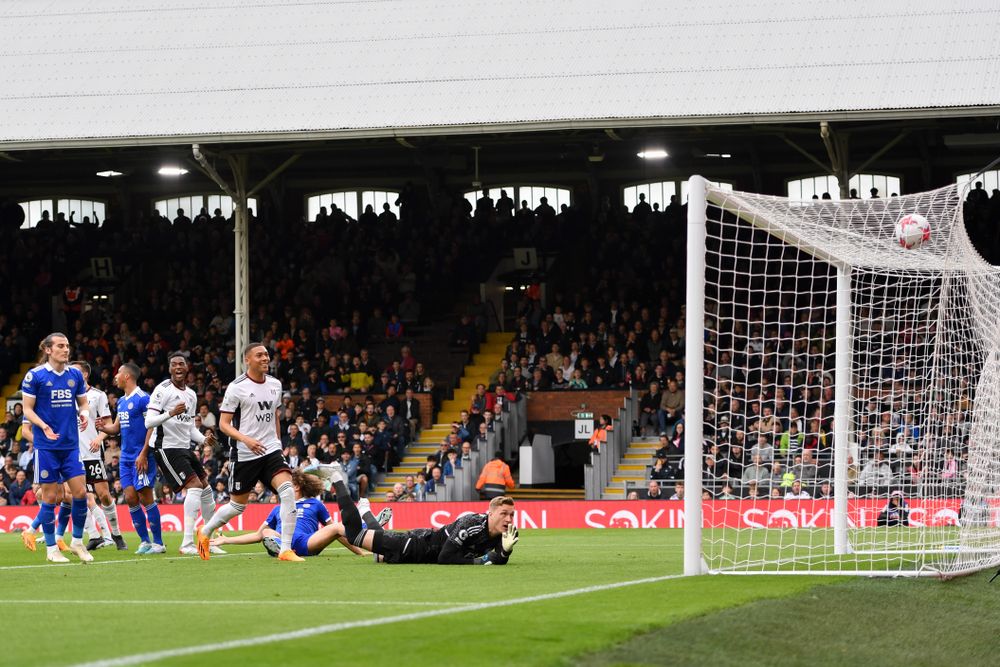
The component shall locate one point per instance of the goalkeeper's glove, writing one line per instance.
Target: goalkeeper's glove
(509, 539)
(485, 560)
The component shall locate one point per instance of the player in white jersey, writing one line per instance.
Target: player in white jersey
(92, 456)
(249, 415)
(170, 415)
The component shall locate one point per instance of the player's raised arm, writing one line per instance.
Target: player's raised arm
(154, 417)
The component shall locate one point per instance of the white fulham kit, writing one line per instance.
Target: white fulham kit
(180, 467)
(176, 432)
(97, 402)
(103, 523)
(253, 406)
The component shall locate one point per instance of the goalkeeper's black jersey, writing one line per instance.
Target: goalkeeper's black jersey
(466, 539)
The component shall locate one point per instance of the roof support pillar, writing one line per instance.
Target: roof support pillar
(241, 265)
(836, 149)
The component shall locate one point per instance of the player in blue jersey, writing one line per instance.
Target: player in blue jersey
(55, 402)
(314, 529)
(136, 467)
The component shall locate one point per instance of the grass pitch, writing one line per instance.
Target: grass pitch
(565, 598)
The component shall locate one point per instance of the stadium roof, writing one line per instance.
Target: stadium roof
(134, 72)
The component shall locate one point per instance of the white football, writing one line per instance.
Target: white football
(912, 230)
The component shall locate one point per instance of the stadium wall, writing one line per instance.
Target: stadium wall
(551, 406)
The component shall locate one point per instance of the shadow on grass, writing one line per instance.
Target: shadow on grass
(861, 622)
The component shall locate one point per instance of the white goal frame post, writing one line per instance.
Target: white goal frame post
(862, 239)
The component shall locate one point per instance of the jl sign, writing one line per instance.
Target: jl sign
(584, 428)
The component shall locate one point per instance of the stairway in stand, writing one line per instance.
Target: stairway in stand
(634, 468)
(484, 363)
(14, 382)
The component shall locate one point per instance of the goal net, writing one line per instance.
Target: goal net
(847, 419)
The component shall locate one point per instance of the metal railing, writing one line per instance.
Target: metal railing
(506, 437)
(604, 463)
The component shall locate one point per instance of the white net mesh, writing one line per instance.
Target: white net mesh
(924, 413)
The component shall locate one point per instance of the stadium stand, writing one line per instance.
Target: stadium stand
(620, 328)
(338, 340)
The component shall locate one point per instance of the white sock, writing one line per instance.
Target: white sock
(192, 503)
(287, 495)
(89, 523)
(222, 516)
(207, 504)
(102, 522)
(111, 514)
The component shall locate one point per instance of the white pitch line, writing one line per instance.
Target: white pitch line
(394, 603)
(141, 658)
(150, 559)
(604, 547)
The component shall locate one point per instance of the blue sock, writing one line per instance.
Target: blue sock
(139, 522)
(79, 509)
(153, 514)
(62, 519)
(47, 517)
(37, 521)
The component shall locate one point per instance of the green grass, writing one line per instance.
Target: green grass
(910, 623)
(126, 605)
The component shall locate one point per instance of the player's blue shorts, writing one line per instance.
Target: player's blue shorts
(300, 544)
(131, 477)
(57, 465)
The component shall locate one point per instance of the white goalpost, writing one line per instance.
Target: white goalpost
(842, 392)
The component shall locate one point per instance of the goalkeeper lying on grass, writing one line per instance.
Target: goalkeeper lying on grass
(314, 530)
(473, 539)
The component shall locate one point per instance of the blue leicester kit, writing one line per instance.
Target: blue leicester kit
(132, 419)
(55, 397)
(310, 515)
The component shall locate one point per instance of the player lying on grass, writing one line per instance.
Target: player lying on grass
(314, 530)
(472, 539)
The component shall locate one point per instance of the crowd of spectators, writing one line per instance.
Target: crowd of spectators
(615, 322)
(982, 218)
(323, 292)
(586, 346)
